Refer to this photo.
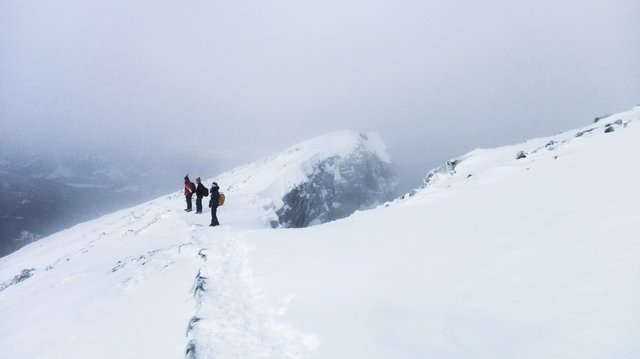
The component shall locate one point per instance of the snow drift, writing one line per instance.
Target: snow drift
(524, 251)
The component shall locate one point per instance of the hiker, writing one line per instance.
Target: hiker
(201, 191)
(213, 203)
(189, 188)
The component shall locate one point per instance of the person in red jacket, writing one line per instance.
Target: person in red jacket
(189, 188)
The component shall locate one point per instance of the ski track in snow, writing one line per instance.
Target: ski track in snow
(230, 321)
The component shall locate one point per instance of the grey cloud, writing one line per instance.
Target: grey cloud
(231, 81)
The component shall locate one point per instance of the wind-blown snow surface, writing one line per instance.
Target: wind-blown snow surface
(537, 257)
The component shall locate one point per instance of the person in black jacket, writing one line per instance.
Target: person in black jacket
(201, 191)
(213, 204)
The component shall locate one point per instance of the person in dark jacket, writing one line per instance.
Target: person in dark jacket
(201, 191)
(189, 188)
(213, 203)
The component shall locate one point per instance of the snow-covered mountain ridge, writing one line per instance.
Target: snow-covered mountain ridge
(472, 163)
(536, 257)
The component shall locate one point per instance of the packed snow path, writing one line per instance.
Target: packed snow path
(152, 281)
(230, 321)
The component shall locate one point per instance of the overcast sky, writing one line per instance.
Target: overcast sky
(237, 80)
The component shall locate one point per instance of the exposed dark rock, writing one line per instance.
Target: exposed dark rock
(199, 285)
(610, 126)
(338, 187)
(579, 134)
(551, 145)
(202, 253)
(449, 168)
(190, 353)
(117, 267)
(597, 119)
(520, 155)
(23, 275)
(192, 324)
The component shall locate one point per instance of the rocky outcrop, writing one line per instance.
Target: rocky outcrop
(337, 187)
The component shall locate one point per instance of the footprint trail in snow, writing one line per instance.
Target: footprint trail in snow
(230, 321)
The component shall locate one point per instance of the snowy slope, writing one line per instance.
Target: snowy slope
(537, 257)
(531, 258)
(125, 285)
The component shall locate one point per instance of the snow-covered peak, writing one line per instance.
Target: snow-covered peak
(275, 176)
(342, 143)
(266, 182)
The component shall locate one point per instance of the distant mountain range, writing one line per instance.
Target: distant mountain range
(42, 194)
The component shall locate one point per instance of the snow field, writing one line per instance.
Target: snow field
(496, 257)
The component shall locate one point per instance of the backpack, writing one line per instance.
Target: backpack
(193, 187)
(206, 192)
(221, 199)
